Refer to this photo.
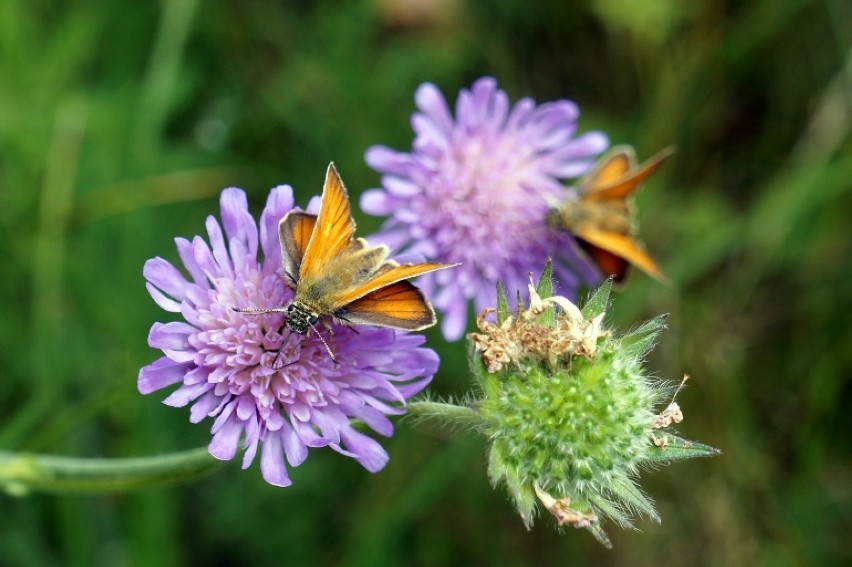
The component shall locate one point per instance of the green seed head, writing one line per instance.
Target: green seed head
(568, 410)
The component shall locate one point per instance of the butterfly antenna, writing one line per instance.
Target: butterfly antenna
(325, 344)
(252, 311)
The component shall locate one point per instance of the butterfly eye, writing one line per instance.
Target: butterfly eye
(290, 308)
(313, 319)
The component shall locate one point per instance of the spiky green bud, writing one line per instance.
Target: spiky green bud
(569, 412)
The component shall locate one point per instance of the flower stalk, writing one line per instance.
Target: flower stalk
(22, 473)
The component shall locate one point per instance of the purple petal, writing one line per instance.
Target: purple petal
(172, 336)
(272, 462)
(224, 444)
(217, 245)
(375, 420)
(279, 203)
(159, 374)
(367, 451)
(432, 103)
(238, 222)
(160, 299)
(455, 320)
(184, 248)
(185, 394)
(377, 202)
(165, 277)
(382, 158)
(295, 450)
(203, 407)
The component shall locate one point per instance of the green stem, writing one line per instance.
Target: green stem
(450, 414)
(22, 472)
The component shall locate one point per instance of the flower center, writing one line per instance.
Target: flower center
(487, 215)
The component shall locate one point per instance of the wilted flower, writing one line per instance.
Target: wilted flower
(268, 388)
(476, 189)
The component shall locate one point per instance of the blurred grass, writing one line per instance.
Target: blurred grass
(120, 124)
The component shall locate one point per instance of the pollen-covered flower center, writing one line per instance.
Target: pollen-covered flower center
(256, 353)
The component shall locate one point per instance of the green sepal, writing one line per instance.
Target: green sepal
(640, 340)
(522, 493)
(678, 449)
(544, 289)
(502, 304)
(629, 493)
(598, 301)
(600, 535)
(604, 506)
(474, 362)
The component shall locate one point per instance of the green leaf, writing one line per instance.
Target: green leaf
(598, 302)
(678, 449)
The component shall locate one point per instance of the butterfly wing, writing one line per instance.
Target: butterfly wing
(294, 234)
(622, 246)
(399, 305)
(609, 170)
(389, 273)
(607, 262)
(619, 188)
(333, 230)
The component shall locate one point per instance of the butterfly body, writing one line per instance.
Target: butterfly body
(585, 216)
(603, 218)
(333, 274)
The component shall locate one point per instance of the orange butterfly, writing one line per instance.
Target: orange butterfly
(603, 219)
(335, 274)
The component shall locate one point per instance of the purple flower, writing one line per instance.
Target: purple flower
(268, 388)
(476, 189)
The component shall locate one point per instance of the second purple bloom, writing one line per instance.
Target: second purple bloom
(476, 189)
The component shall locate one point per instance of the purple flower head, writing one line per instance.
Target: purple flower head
(229, 365)
(476, 189)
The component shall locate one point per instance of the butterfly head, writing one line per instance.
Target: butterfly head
(300, 320)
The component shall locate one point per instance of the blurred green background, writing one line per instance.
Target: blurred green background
(121, 122)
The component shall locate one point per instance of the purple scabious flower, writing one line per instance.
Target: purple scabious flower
(227, 363)
(476, 189)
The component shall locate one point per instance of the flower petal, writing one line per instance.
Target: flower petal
(367, 451)
(272, 462)
(226, 439)
(161, 373)
(165, 277)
